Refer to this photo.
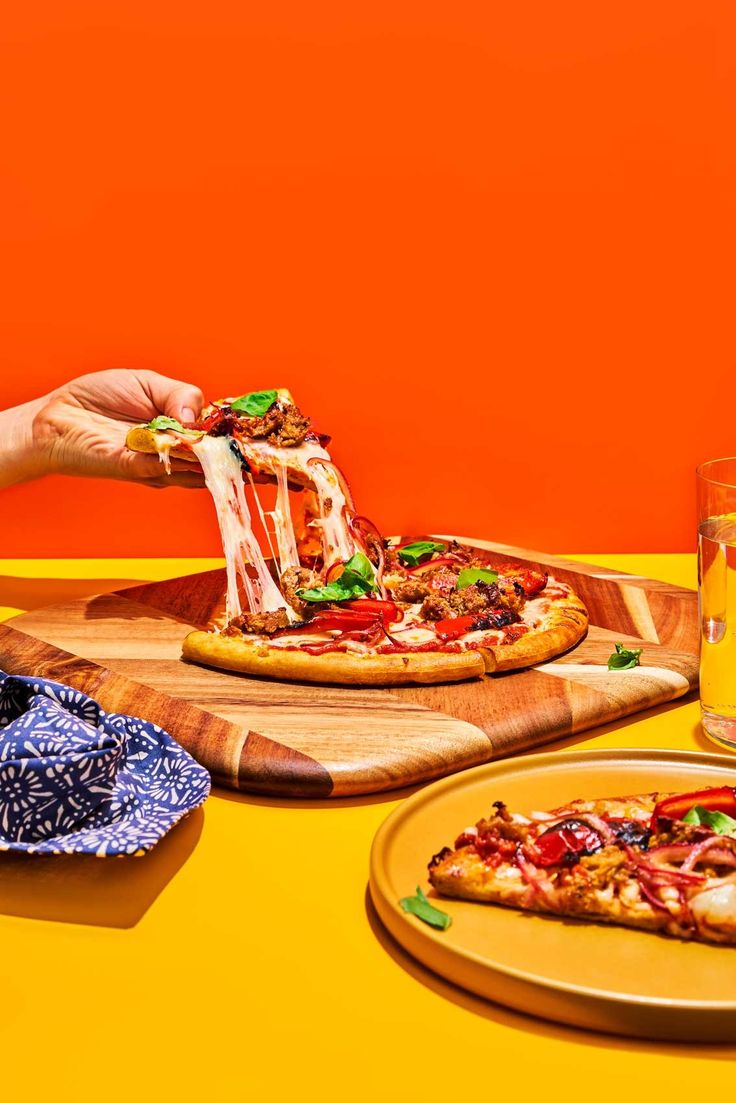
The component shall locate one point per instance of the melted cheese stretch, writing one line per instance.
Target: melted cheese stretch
(163, 446)
(283, 524)
(313, 464)
(223, 475)
(224, 478)
(338, 543)
(165, 442)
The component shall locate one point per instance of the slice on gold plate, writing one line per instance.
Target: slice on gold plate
(564, 900)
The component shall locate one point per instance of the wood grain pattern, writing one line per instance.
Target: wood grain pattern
(308, 740)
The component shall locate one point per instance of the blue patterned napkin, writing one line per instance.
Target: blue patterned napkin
(75, 779)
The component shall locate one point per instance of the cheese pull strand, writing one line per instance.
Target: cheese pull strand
(224, 478)
(338, 542)
(313, 463)
(283, 524)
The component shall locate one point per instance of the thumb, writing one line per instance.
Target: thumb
(183, 401)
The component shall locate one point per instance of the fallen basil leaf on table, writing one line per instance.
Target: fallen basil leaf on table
(420, 906)
(718, 822)
(624, 658)
(163, 422)
(419, 552)
(255, 404)
(470, 575)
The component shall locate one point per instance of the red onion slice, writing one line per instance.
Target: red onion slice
(671, 852)
(538, 883)
(661, 875)
(433, 564)
(358, 526)
(715, 842)
(651, 896)
(342, 481)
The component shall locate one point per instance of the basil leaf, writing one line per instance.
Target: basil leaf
(360, 565)
(357, 578)
(624, 658)
(419, 552)
(332, 591)
(718, 822)
(475, 574)
(420, 906)
(255, 404)
(162, 422)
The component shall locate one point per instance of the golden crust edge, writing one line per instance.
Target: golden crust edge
(142, 439)
(570, 624)
(233, 654)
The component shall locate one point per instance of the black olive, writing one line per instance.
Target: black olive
(631, 833)
(496, 618)
(236, 451)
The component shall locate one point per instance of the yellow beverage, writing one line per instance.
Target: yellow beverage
(717, 594)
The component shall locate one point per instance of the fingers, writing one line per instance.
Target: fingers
(143, 467)
(185, 465)
(183, 401)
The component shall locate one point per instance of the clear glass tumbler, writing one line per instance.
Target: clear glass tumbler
(717, 598)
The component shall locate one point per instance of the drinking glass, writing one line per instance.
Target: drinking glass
(717, 598)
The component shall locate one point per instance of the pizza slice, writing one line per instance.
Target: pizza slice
(659, 862)
(336, 602)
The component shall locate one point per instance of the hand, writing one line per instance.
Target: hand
(80, 429)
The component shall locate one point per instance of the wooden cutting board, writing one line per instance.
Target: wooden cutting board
(295, 739)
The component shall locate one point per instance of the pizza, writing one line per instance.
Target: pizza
(659, 862)
(335, 601)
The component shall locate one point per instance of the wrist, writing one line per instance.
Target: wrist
(22, 455)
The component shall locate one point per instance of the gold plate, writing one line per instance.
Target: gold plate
(588, 974)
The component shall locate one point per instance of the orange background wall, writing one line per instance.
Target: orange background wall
(496, 238)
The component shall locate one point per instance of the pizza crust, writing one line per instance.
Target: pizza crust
(142, 439)
(564, 625)
(341, 667)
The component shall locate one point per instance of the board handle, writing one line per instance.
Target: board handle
(236, 757)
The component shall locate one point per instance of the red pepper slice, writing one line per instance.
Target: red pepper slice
(207, 424)
(715, 800)
(531, 581)
(553, 846)
(342, 620)
(453, 627)
(551, 849)
(334, 620)
(388, 611)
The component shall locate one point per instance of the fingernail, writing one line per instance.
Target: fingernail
(187, 415)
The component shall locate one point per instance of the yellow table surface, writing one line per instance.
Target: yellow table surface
(241, 960)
